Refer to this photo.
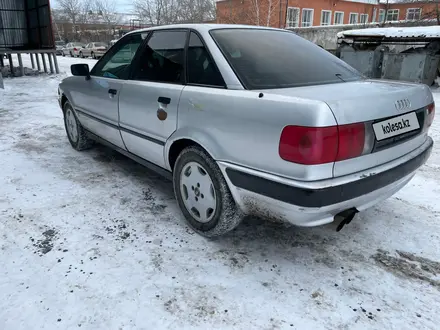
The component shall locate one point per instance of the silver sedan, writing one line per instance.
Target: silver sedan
(250, 121)
(94, 50)
(72, 49)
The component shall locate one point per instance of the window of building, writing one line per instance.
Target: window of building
(326, 17)
(381, 15)
(307, 17)
(392, 15)
(162, 58)
(201, 69)
(374, 15)
(364, 18)
(292, 17)
(413, 14)
(353, 18)
(339, 17)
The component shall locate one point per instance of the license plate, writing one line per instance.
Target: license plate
(396, 126)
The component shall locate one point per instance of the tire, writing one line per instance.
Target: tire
(81, 55)
(80, 141)
(62, 53)
(214, 221)
(71, 55)
(93, 56)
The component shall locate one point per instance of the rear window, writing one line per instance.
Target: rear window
(264, 59)
(100, 44)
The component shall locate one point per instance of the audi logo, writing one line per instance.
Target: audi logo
(402, 104)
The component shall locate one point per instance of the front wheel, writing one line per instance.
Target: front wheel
(75, 132)
(203, 195)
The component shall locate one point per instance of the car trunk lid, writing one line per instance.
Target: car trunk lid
(394, 114)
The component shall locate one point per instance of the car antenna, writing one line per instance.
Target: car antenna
(260, 95)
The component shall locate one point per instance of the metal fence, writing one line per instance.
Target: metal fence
(25, 25)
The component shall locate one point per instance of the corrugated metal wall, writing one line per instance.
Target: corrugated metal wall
(13, 27)
(25, 24)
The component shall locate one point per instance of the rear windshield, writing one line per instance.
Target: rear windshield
(100, 44)
(264, 59)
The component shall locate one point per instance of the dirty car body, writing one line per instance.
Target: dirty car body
(296, 134)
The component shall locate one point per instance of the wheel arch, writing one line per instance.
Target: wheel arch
(189, 137)
(64, 99)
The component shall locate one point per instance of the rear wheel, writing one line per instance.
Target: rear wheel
(75, 132)
(203, 195)
(93, 56)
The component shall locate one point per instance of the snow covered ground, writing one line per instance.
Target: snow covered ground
(92, 240)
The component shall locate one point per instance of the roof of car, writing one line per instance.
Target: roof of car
(204, 27)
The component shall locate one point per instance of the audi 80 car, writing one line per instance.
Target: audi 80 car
(250, 121)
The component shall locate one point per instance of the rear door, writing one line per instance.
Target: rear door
(96, 100)
(149, 101)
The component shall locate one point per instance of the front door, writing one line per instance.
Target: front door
(96, 101)
(149, 101)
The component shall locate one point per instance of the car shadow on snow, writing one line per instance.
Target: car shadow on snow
(252, 230)
(256, 242)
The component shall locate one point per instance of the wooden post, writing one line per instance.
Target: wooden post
(44, 62)
(11, 65)
(20, 64)
(32, 60)
(38, 62)
(55, 59)
(49, 57)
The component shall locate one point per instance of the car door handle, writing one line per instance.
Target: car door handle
(112, 91)
(164, 100)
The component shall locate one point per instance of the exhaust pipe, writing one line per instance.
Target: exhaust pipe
(345, 217)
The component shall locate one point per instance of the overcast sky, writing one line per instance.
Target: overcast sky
(123, 5)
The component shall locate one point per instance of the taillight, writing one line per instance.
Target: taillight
(351, 141)
(430, 112)
(320, 145)
(75, 49)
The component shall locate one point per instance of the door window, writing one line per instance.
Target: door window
(162, 58)
(116, 64)
(201, 69)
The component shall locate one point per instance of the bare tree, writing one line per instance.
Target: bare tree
(85, 12)
(196, 11)
(157, 12)
(72, 9)
(106, 10)
(77, 11)
(430, 10)
(260, 12)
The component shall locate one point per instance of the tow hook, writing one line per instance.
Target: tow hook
(345, 218)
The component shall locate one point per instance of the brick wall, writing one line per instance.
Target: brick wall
(273, 12)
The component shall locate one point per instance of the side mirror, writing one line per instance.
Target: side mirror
(81, 70)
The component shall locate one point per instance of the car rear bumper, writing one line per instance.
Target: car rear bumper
(316, 203)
